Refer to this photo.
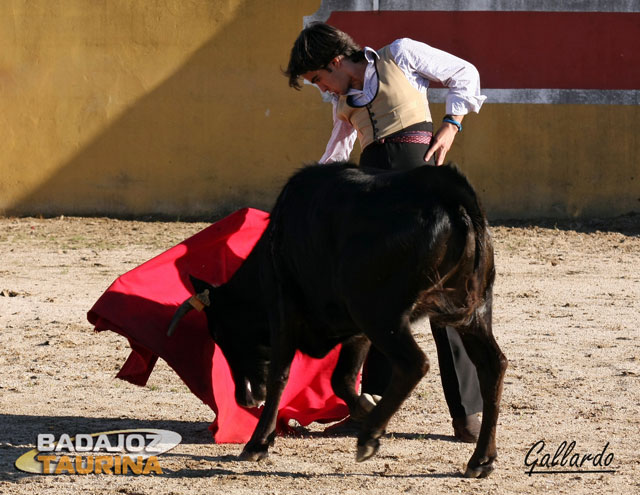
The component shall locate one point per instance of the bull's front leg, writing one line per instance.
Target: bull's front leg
(263, 436)
(491, 366)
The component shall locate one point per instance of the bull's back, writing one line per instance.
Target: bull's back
(339, 233)
(324, 206)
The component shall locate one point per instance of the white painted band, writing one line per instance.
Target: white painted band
(328, 6)
(551, 96)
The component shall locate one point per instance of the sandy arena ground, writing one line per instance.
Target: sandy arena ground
(567, 300)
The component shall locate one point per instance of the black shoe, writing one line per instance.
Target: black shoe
(466, 429)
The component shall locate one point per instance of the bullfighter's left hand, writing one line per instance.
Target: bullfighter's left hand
(442, 141)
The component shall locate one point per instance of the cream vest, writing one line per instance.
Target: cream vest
(396, 105)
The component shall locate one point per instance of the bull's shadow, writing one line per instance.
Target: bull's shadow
(306, 475)
(329, 432)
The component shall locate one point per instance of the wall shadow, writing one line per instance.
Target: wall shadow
(207, 140)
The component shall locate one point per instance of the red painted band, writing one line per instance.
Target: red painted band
(563, 50)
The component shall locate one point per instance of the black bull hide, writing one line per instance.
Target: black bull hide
(353, 256)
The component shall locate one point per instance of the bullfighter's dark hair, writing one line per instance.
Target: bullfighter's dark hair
(314, 49)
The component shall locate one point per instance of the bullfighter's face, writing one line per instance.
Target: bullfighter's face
(335, 78)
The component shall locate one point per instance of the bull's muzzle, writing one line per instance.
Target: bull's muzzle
(197, 302)
(247, 397)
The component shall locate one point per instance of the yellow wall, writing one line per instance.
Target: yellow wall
(161, 107)
(179, 108)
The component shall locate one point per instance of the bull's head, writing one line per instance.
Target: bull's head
(240, 330)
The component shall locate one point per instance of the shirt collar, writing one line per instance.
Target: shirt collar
(371, 56)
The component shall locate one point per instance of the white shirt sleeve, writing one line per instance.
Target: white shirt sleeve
(341, 141)
(422, 63)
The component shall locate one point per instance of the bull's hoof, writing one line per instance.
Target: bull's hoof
(253, 454)
(480, 469)
(367, 450)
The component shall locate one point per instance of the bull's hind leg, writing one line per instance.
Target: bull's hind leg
(345, 374)
(409, 364)
(491, 365)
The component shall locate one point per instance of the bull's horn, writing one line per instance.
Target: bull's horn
(198, 302)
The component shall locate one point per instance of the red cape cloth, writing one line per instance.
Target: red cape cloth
(140, 304)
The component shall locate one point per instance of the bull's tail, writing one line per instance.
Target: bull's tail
(448, 305)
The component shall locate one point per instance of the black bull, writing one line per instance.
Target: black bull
(354, 256)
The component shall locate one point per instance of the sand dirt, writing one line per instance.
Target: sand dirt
(567, 300)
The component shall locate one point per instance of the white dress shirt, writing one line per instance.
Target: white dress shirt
(421, 64)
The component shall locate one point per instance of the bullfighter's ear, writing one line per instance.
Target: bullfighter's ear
(200, 285)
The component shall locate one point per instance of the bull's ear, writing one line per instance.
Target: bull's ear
(200, 285)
